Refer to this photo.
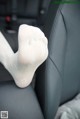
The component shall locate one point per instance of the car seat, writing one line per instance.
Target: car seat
(58, 79)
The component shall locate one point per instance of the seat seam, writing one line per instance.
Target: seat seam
(56, 67)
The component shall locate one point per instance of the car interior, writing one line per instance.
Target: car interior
(57, 80)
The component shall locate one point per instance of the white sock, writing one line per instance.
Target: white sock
(32, 52)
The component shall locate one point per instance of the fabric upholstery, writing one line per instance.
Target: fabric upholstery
(69, 110)
(59, 76)
(20, 103)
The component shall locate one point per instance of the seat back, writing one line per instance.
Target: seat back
(58, 79)
(5, 7)
(32, 12)
(24, 11)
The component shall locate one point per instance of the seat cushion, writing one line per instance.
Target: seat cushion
(20, 103)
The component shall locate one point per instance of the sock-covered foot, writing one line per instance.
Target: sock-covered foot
(32, 52)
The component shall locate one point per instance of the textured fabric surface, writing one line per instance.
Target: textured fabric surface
(20, 103)
(61, 80)
(70, 110)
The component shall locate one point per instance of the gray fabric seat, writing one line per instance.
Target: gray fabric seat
(58, 79)
(20, 103)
